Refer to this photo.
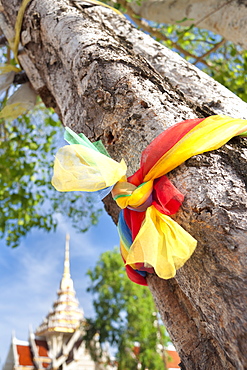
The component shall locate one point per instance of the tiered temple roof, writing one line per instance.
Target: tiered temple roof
(58, 342)
(66, 316)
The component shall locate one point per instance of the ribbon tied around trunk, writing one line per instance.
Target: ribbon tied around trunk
(150, 241)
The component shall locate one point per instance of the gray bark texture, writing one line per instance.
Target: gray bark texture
(227, 18)
(112, 82)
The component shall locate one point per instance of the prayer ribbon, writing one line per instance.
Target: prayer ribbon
(150, 241)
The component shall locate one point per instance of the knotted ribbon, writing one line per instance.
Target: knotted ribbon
(150, 241)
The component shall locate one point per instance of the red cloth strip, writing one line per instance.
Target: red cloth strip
(160, 145)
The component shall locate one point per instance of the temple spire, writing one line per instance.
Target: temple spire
(66, 282)
(66, 272)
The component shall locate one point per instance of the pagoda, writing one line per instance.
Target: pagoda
(57, 343)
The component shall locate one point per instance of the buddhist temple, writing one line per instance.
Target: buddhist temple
(58, 341)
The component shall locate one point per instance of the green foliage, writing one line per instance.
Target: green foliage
(27, 198)
(126, 314)
(18, 165)
(230, 69)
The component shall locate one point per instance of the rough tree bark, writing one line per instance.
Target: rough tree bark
(227, 18)
(114, 83)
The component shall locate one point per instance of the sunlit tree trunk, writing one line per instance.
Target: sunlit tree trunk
(114, 83)
(223, 17)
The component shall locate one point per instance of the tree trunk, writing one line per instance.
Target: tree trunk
(227, 18)
(101, 76)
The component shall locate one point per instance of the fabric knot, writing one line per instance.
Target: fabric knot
(144, 206)
(128, 195)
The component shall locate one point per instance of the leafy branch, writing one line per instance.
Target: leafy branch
(210, 51)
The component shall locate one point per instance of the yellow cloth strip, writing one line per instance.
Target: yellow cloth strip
(80, 168)
(210, 134)
(124, 251)
(161, 243)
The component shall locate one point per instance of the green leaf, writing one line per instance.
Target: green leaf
(125, 314)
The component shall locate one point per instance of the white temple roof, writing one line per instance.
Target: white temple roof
(65, 316)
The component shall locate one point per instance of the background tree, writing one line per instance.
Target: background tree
(27, 198)
(111, 81)
(126, 314)
(206, 33)
(224, 17)
(222, 59)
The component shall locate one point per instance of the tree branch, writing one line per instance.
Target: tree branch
(212, 12)
(212, 50)
(154, 32)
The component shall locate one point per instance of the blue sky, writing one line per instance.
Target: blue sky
(31, 273)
